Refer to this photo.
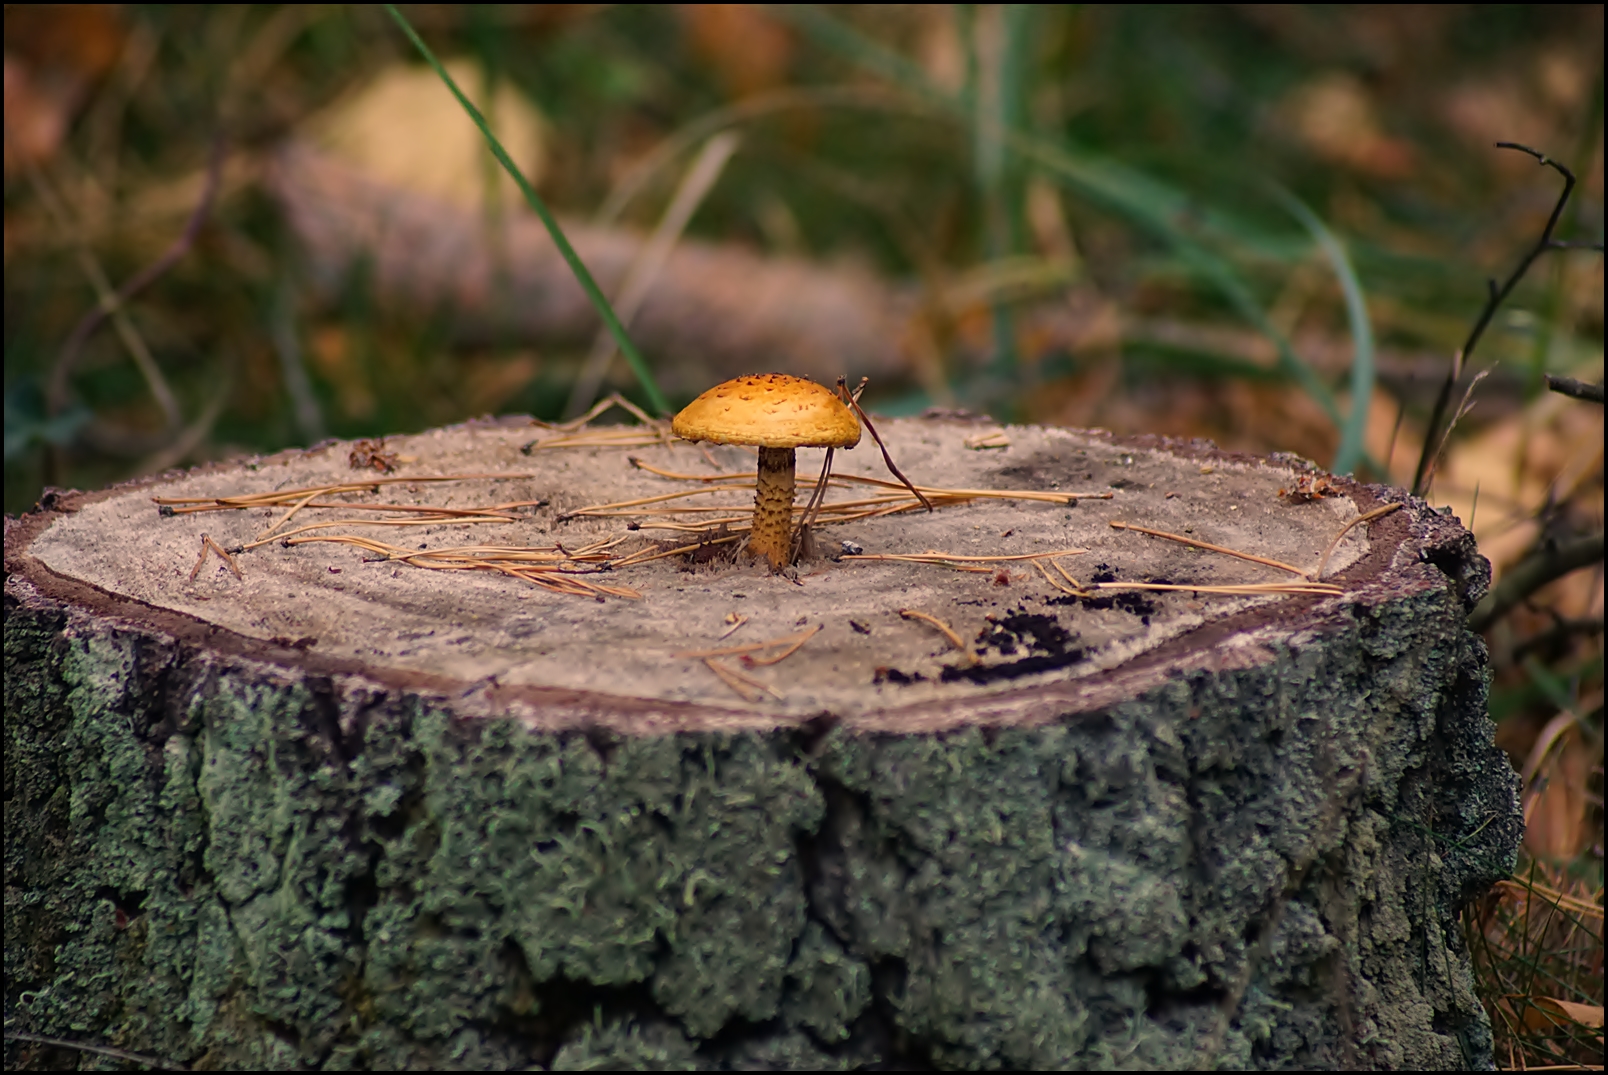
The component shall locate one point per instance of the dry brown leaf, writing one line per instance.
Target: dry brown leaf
(54, 55)
(405, 129)
(1556, 826)
(1335, 116)
(1544, 1013)
(1559, 442)
(749, 49)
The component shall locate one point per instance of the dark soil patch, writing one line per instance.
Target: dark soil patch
(1049, 646)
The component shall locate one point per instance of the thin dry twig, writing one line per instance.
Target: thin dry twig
(1551, 560)
(98, 1050)
(1575, 389)
(948, 632)
(574, 434)
(1070, 586)
(790, 644)
(548, 567)
(618, 507)
(958, 562)
(740, 682)
(1231, 589)
(785, 653)
(201, 559)
(1376, 513)
(1494, 299)
(1463, 407)
(1056, 497)
(811, 508)
(999, 494)
(429, 520)
(643, 556)
(224, 553)
(1116, 525)
(113, 304)
(183, 505)
(853, 400)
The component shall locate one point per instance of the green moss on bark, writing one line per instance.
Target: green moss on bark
(232, 865)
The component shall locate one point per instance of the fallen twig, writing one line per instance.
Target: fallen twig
(853, 400)
(184, 505)
(790, 644)
(958, 562)
(1323, 561)
(1291, 568)
(98, 1050)
(550, 567)
(1549, 562)
(222, 552)
(742, 683)
(1231, 589)
(948, 632)
(201, 559)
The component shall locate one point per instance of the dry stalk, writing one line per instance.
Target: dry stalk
(853, 400)
(222, 552)
(958, 562)
(1376, 513)
(430, 520)
(742, 683)
(1070, 586)
(1280, 564)
(1242, 589)
(789, 643)
(643, 556)
(199, 560)
(1007, 494)
(548, 567)
(967, 656)
(183, 505)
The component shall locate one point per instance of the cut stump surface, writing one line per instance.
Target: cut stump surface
(342, 809)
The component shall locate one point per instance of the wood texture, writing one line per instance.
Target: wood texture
(1243, 842)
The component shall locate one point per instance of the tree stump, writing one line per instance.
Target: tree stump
(346, 811)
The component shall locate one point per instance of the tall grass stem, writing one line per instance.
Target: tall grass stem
(633, 357)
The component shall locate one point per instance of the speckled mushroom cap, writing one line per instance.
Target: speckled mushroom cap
(770, 410)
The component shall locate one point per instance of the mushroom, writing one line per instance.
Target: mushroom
(776, 413)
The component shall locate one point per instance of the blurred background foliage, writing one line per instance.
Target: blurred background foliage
(1267, 225)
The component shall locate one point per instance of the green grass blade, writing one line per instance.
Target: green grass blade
(847, 41)
(1355, 429)
(644, 375)
(1155, 206)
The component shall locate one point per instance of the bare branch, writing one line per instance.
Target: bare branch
(62, 373)
(1495, 297)
(1532, 573)
(1568, 386)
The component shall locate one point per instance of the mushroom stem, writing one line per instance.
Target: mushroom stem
(773, 508)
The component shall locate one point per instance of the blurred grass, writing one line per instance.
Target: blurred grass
(639, 366)
(1288, 213)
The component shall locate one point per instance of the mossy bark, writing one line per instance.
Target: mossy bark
(234, 863)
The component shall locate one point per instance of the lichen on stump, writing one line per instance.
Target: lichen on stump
(340, 813)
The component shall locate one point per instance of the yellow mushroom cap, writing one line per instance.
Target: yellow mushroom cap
(770, 410)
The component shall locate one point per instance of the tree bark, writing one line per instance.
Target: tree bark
(1244, 844)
